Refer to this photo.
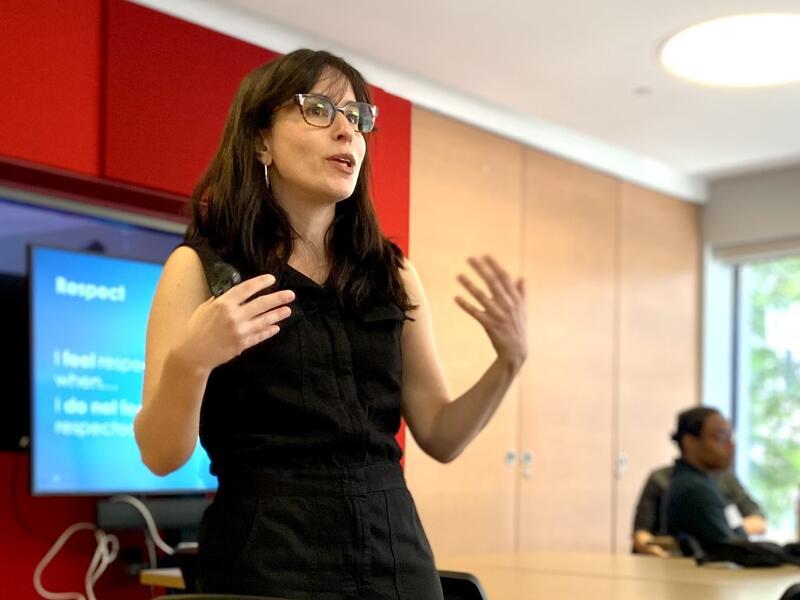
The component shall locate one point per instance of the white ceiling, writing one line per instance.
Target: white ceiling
(544, 71)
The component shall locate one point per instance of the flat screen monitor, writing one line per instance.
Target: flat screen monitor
(88, 318)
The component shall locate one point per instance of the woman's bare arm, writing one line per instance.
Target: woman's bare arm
(443, 427)
(188, 334)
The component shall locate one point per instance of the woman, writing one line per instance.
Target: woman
(293, 377)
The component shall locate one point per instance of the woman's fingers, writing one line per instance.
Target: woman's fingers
(479, 315)
(265, 303)
(488, 303)
(259, 336)
(263, 326)
(493, 281)
(241, 292)
(504, 317)
(266, 319)
(501, 275)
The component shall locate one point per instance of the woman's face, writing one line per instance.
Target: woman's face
(317, 164)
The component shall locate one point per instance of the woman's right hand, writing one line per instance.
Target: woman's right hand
(222, 328)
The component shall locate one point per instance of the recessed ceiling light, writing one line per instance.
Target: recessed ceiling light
(739, 51)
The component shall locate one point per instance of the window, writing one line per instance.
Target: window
(767, 407)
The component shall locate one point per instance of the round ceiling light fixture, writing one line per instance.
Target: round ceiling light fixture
(738, 51)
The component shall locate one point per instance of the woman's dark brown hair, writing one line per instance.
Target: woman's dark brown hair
(234, 210)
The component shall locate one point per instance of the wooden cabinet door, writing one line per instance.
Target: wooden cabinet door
(465, 201)
(569, 239)
(659, 304)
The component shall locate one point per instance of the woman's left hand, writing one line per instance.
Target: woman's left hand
(503, 315)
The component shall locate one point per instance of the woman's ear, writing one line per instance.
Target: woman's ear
(262, 149)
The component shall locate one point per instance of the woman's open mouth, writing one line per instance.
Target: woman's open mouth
(344, 162)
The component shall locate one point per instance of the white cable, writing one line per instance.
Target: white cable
(148, 519)
(37, 572)
(104, 555)
(151, 549)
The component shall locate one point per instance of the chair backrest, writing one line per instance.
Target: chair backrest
(456, 585)
(793, 593)
(215, 597)
(461, 586)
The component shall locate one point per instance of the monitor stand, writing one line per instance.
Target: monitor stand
(181, 512)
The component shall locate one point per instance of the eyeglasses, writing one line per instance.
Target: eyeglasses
(722, 436)
(320, 111)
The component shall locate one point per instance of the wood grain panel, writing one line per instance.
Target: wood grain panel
(569, 263)
(465, 200)
(658, 335)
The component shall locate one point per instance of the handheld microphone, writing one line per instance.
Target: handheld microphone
(225, 277)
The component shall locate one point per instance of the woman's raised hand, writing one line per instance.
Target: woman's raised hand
(222, 328)
(502, 313)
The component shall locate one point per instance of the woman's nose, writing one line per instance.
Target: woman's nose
(343, 129)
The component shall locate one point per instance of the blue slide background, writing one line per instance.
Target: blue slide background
(94, 465)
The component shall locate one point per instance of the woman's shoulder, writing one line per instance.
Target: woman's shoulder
(411, 280)
(184, 268)
(184, 258)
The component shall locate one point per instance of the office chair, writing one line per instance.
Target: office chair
(461, 586)
(455, 585)
(214, 597)
(793, 593)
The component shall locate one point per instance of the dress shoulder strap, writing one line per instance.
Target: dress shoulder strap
(220, 275)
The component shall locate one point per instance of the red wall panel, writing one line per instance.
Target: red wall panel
(389, 146)
(169, 86)
(150, 112)
(30, 526)
(50, 84)
(390, 152)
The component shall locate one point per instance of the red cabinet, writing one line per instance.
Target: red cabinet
(169, 84)
(123, 92)
(50, 87)
(390, 148)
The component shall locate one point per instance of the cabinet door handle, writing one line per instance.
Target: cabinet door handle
(623, 462)
(526, 460)
(510, 458)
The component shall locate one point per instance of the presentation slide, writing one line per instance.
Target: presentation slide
(88, 318)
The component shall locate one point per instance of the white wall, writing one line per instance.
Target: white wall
(760, 207)
(745, 217)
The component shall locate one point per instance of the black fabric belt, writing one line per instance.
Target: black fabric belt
(342, 481)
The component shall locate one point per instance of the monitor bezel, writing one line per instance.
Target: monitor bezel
(112, 217)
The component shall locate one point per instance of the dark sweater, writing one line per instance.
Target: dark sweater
(650, 509)
(696, 506)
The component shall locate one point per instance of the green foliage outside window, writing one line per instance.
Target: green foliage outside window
(774, 393)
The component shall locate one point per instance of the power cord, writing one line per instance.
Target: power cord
(14, 488)
(104, 555)
(148, 519)
(106, 552)
(151, 549)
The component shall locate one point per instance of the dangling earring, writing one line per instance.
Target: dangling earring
(266, 175)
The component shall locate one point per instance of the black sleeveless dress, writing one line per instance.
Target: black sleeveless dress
(300, 430)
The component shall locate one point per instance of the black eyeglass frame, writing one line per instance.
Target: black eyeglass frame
(299, 99)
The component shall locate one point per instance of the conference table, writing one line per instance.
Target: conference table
(567, 575)
(557, 575)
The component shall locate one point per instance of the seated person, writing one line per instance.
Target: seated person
(695, 504)
(649, 520)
